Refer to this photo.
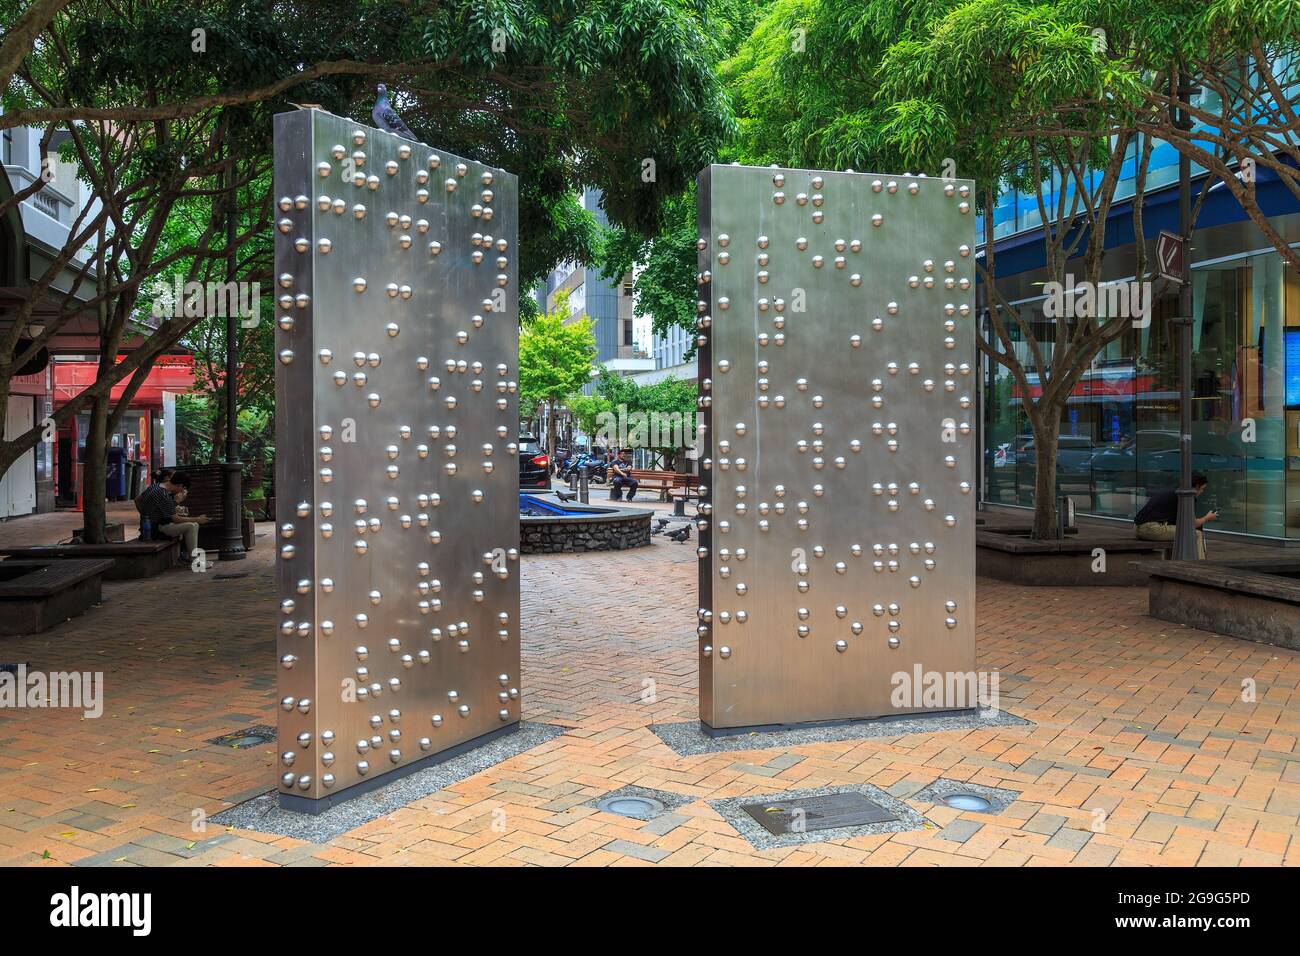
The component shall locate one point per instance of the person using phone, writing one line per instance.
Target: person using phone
(159, 504)
(1158, 519)
(162, 474)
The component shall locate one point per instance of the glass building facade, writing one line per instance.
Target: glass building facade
(1119, 430)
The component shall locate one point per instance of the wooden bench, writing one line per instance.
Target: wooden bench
(205, 498)
(668, 483)
(131, 559)
(37, 595)
(685, 488)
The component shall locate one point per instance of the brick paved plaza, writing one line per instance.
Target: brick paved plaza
(1141, 749)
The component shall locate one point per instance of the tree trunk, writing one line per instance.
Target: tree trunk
(94, 502)
(1046, 426)
(10, 452)
(550, 427)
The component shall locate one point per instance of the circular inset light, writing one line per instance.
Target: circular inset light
(967, 801)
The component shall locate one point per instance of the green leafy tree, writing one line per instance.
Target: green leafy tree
(555, 360)
(673, 402)
(971, 89)
(588, 411)
(619, 95)
(1018, 93)
(169, 103)
(663, 259)
(528, 413)
(660, 416)
(664, 265)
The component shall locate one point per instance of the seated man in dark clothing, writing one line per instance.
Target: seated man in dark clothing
(162, 474)
(158, 505)
(1158, 519)
(620, 474)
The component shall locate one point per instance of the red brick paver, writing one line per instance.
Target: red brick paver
(1143, 750)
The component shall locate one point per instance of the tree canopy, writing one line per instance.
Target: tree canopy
(622, 412)
(556, 354)
(170, 102)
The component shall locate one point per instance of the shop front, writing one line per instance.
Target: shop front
(1120, 426)
(139, 437)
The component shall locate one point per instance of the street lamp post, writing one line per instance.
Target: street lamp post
(1185, 530)
(232, 485)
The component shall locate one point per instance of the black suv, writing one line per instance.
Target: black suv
(534, 465)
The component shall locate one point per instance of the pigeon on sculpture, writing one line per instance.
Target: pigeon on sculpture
(386, 117)
(566, 495)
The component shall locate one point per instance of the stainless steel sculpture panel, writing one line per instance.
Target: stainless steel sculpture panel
(396, 454)
(836, 342)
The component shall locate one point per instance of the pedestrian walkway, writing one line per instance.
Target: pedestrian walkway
(1150, 744)
(58, 527)
(1218, 547)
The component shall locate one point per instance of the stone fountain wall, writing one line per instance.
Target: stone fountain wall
(597, 533)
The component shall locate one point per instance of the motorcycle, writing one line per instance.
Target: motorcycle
(597, 470)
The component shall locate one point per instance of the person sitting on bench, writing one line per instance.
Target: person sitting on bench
(158, 505)
(162, 474)
(1158, 519)
(620, 470)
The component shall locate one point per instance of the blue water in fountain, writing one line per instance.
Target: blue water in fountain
(531, 506)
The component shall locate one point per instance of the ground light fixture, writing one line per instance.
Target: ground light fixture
(635, 807)
(967, 801)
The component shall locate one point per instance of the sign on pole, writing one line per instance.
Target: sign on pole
(1170, 250)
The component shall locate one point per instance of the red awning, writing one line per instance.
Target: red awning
(171, 373)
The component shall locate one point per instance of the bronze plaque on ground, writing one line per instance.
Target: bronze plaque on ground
(828, 811)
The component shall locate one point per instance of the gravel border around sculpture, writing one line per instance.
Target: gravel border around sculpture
(687, 740)
(264, 815)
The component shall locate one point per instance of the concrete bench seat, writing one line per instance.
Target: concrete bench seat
(37, 595)
(129, 559)
(1258, 600)
(1070, 562)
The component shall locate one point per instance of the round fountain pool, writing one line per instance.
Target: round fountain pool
(548, 525)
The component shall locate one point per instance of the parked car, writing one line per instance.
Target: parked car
(1073, 455)
(534, 464)
(1150, 460)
